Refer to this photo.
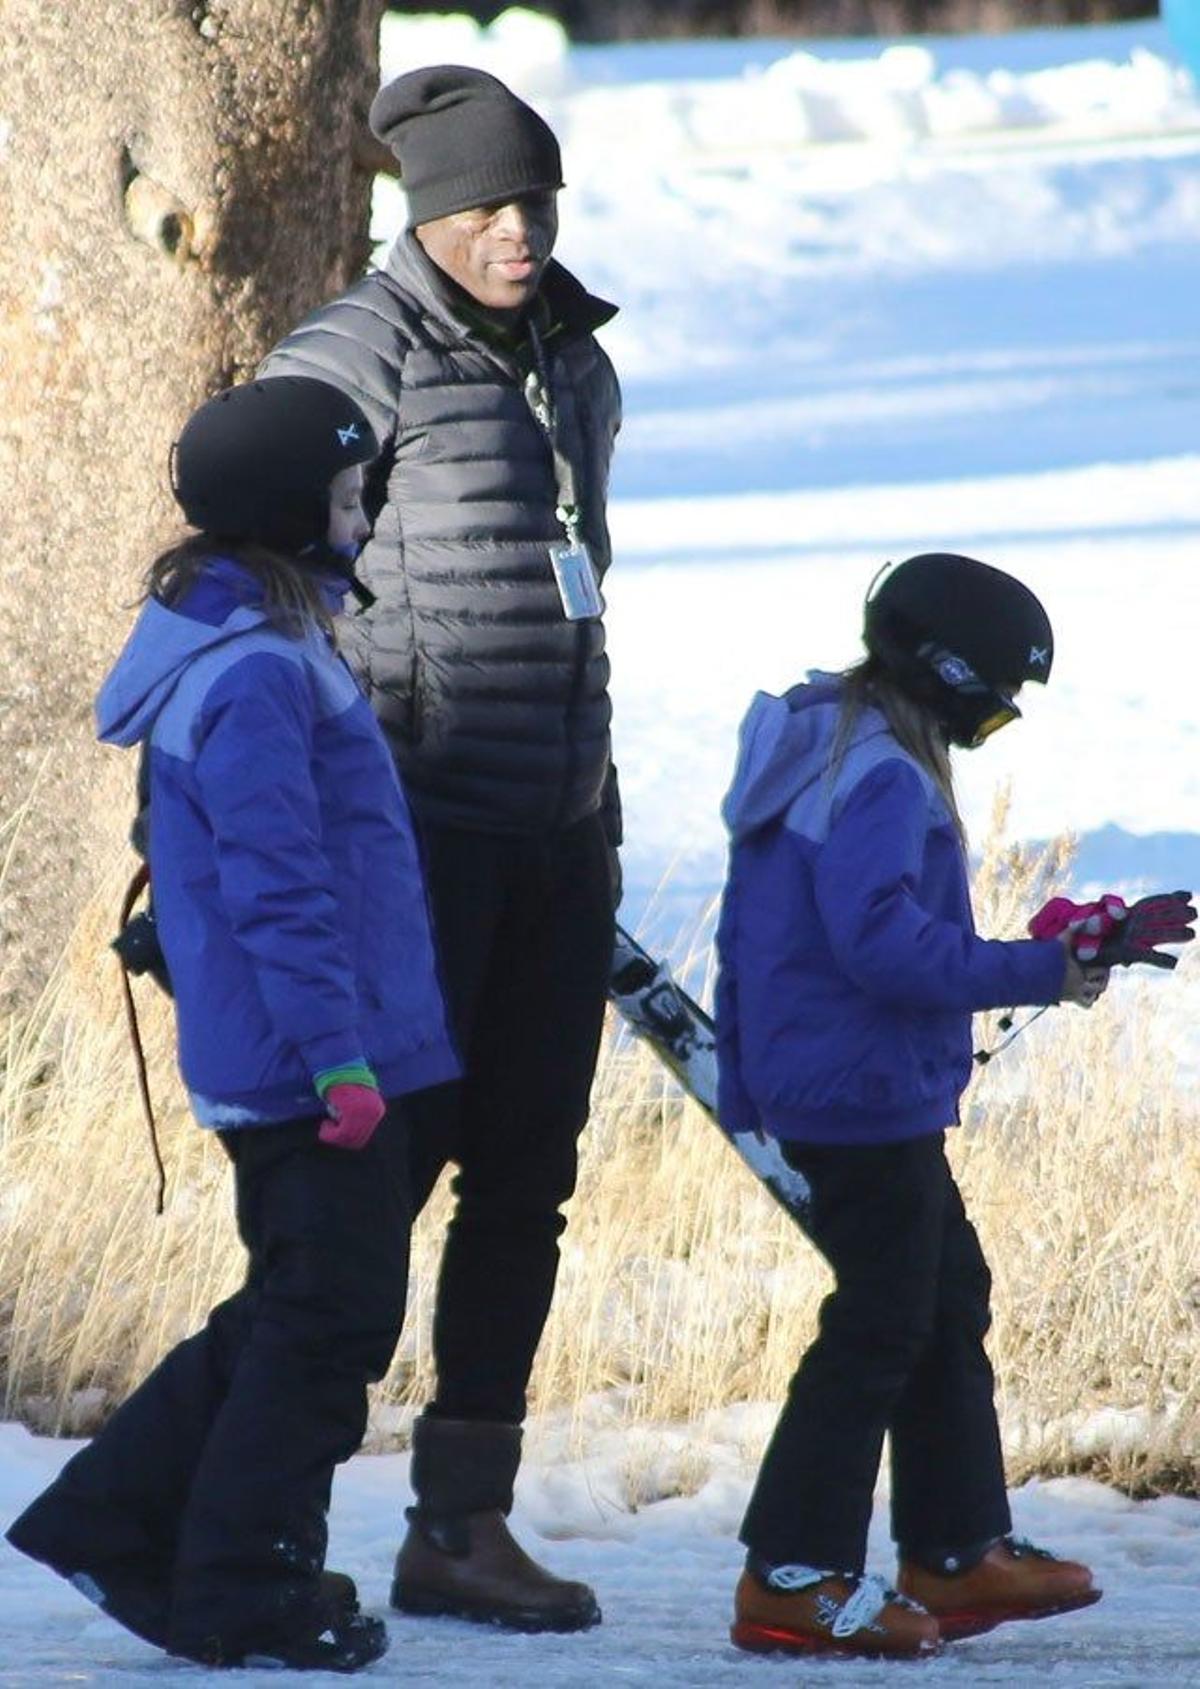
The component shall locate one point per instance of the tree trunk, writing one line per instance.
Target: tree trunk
(179, 183)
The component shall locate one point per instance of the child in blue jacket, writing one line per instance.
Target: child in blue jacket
(849, 971)
(293, 919)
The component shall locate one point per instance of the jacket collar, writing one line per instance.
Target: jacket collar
(571, 310)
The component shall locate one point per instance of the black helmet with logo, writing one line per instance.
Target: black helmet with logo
(255, 462)
(960, 637)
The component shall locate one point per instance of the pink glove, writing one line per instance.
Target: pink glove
(1090, 923)
(354, 1113)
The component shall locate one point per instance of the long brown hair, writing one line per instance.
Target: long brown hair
(291, 594)
(916, 729)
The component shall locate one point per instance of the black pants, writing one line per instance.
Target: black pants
(899, 1349)
(214, 1476)
(525, 940)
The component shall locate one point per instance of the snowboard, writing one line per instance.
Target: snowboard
(682, 1035)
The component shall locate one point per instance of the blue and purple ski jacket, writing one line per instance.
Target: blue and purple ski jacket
(849, 963)
(288, 888)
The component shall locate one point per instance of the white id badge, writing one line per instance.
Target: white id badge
(577, 584)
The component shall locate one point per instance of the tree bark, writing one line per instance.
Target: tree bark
(179, 183)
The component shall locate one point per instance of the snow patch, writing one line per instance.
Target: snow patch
(523, 48)
(897, 101)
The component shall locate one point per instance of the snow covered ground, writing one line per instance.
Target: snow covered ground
(873, 302)
(665, 1577)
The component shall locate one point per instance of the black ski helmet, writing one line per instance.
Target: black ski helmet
(961, 637)
(255, 461)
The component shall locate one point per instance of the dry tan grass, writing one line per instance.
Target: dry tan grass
(683, 1288)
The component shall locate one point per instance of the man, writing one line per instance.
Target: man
(472, 353)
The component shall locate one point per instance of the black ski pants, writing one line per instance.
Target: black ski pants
(213, 1478)
(525, 940)
(899, 1349)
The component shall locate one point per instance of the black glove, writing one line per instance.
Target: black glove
(1167, 917)
(616, 880)
(614, 832)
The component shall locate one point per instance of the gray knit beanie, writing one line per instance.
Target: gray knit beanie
(463, 139)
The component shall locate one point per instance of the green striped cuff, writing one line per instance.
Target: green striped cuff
(353, 1073)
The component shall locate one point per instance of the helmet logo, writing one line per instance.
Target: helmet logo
(349, 434)
(1039, 655)
(953, 670)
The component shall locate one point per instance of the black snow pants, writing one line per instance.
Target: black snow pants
(899, 1349)
(525, 940)
(211, 1482)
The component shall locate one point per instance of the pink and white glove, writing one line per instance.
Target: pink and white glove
(354, 1113)
(1090, 923)
(1164, 917)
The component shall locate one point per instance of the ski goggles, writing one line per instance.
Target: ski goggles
(974, 710)
(1000, 717)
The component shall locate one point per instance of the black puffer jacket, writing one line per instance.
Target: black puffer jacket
(496, 706)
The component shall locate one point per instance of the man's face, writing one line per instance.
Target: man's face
(496, 253)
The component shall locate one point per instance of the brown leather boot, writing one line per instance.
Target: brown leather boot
(803, 1611)
(459, 1556)
(1012, 1580)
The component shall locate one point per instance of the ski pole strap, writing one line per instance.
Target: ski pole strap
(134, 890)
(983, 1057)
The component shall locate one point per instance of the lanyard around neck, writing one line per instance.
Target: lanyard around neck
(540, 399)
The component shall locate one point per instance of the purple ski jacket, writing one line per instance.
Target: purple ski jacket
(288, 887)
(849, 962)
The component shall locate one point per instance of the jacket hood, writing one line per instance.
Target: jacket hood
(222, 606)
(783, 747)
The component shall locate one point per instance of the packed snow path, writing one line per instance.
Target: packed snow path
(665, 1578)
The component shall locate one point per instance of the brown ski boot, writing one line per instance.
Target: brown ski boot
(1009, 1579)
(802, 1610)
(459, 1557)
